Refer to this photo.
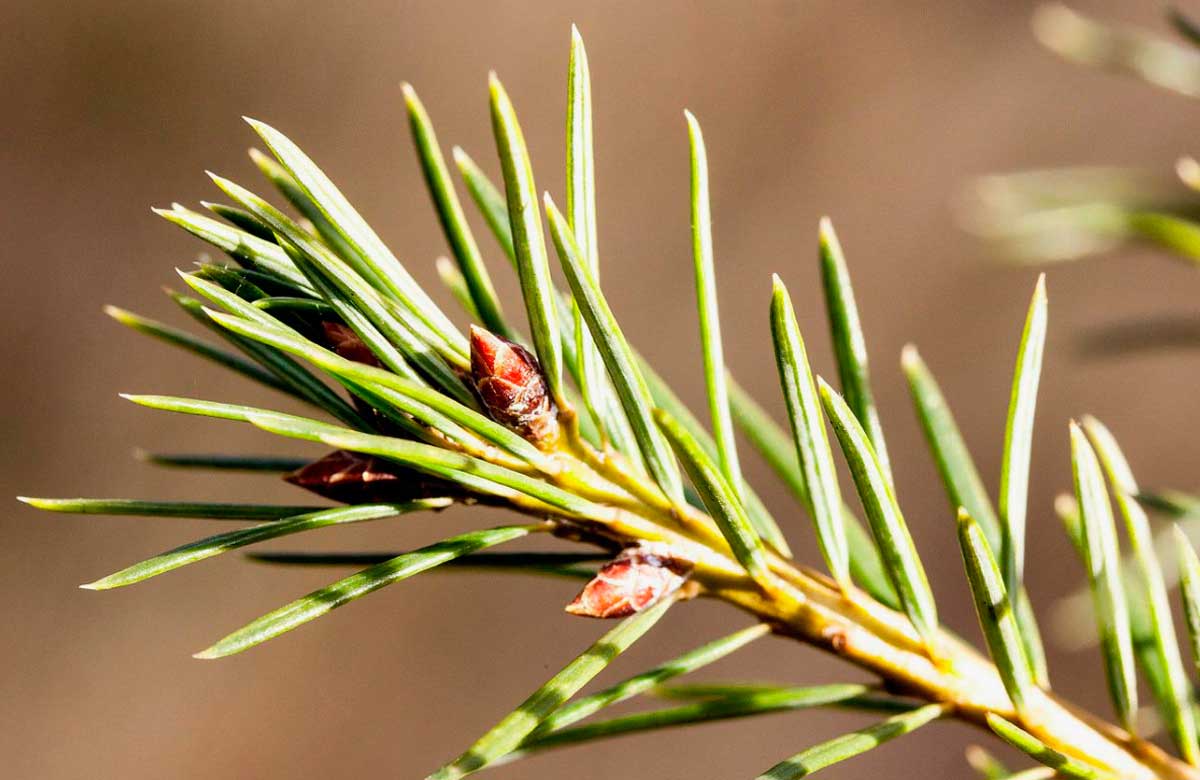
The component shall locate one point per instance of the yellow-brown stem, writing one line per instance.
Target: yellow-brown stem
(962, 678)
(812, 608)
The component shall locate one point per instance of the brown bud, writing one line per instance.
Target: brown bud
(637, 578)
(345, 342)
(352, 478)
(510, 384)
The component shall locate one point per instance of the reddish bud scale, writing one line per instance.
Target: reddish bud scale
(509, 381)
(345, 342)
(637, 578)
(352, 478)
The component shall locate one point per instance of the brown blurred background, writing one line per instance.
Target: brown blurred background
(876, 114)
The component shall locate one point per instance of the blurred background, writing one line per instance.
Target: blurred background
(875, 114)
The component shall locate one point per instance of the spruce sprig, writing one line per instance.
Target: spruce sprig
(571, 428)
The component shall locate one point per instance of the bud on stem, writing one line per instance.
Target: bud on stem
(511, 385)
(352, 478)
(637, 578)
(345, 342)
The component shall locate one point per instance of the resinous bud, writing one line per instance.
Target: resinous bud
(637, 578)
(510, 383)
(345, 342)
(354, 478)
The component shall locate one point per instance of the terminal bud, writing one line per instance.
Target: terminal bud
(511, 385)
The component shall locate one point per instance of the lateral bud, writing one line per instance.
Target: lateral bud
(353, 478)
(345, 343)
(639, 577)
(510, 383)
